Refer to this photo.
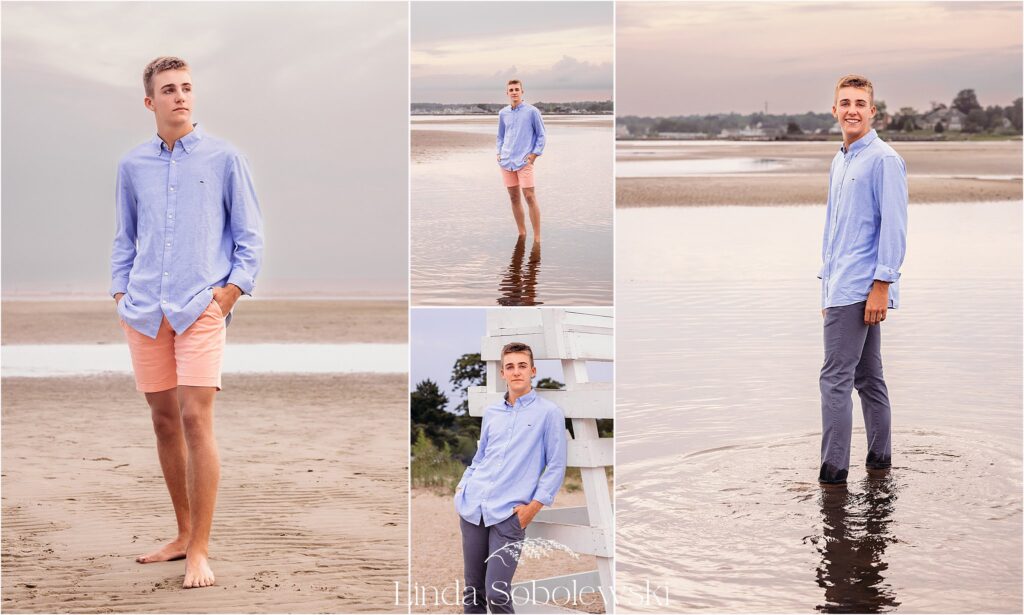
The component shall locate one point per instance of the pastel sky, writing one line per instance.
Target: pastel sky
(466, 51)
(680, 58)
(326, 136)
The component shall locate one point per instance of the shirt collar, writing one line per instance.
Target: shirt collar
(188, 142)
(525, 400)
(860, 143)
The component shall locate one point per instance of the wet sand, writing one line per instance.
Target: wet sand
(938, 172)
(254, 321)
(437, 550)
(435, 142)
(311, 514)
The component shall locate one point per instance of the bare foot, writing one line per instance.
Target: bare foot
(167, 553)
(197, 572)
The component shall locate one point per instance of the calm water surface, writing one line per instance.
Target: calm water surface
(718, 418)
(465, 249)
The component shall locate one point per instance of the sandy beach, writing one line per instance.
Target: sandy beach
(437, 550)
(937, 172)
(256, 321)
(313, 502)
(307, 519)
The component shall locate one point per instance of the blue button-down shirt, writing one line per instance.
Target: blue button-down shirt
(520, 458)
(866, 223)
(520, 133)
(187, 221)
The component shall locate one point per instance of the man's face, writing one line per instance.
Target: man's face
(515, 93)
(517, 371)
(171, 101)
(854, 111)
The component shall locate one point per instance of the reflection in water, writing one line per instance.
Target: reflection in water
(857, 529)
(519, 285)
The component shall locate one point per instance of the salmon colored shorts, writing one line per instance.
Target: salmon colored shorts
(190, 359)
(522, 178)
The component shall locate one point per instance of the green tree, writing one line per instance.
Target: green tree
(427, 408)
(906, 119)
(966, 101)
(976, 121)
(1013, 113)
(468, 371)
(792, 128)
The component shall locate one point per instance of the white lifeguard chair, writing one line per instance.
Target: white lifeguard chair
(572, 336)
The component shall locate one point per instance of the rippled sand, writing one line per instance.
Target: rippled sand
(311, 514)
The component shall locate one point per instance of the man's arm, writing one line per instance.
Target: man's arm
(554, 467)
(478, 458)
(890, 190)
(126, 224)
(501, 134)
(539, 131)
(246, 223)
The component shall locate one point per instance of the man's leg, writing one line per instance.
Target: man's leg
(502, 564)
(845, 332)
(517, 209)
(874, 401)
(203, 477)
(170, 447)
(474, 552)
(535, 212)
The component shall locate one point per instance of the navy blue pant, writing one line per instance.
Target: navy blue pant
(488, 565)
(853, 359)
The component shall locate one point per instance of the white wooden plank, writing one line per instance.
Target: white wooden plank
(580, 538)
(569, 515)
(591, 453)
(537, 595)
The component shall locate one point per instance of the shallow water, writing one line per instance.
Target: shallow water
(718, 417)
(464, 245)
(47, 360)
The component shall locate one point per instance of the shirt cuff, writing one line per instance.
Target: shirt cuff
(546, 499)
(242, 280)
(885, 273)
(118, 286)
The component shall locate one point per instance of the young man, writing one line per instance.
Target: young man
(863, 248)
(188, 243)
(521, 139)
(518, 468)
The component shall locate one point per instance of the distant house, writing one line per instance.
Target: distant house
(951, 119)
(835, 130)
(621, 130)
(682, 135)
(753, 133)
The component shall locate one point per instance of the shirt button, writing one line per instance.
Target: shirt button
(174, 162)
(165, 273)
(172, 188)
(164, 302)
(168, 244)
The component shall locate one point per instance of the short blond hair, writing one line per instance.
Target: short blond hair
(855, 81)
(159, 65)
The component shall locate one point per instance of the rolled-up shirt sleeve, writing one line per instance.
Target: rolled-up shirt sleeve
(126, 226)
(554, 458)
(891, 192)
(246, 223)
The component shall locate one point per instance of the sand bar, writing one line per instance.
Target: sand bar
(311, 515)
(938, 172)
